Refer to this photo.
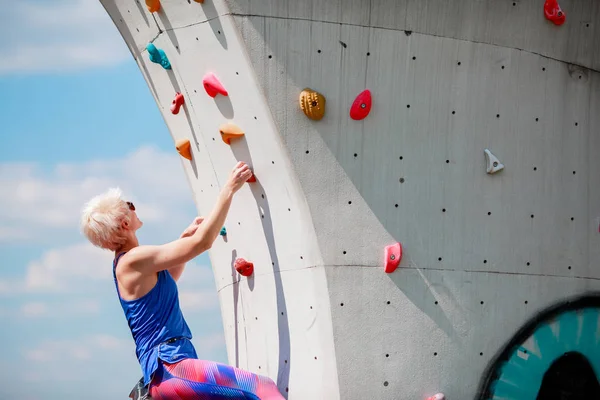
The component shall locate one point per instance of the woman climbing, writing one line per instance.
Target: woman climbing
(145, 278)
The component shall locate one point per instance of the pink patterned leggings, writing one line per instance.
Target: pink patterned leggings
(192, 379)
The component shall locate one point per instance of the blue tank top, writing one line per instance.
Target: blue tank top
(157, 324)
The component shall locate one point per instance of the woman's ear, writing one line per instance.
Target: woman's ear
(124, 225)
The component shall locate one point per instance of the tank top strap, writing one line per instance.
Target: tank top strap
(115, 262)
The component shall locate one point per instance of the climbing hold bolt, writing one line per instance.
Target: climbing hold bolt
(313, 104)
(183, 148)
(223, 232)
(213, 86)
(230, 131)
(177, 103)
(439, 396)
(393, 256)
(158, 56)
(244, 267)
(553, 12)
(493, 164)
(153, 5)
(361, 106)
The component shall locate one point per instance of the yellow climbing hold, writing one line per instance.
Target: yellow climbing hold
(313, 104)
(230, 131)
(183, 148)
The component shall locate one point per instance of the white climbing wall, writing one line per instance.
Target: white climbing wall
(484, 254)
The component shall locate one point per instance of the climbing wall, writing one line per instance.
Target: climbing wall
(464, 133)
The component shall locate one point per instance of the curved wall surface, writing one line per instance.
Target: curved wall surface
(497, 294)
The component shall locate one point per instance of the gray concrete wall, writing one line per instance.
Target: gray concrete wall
(484, 255)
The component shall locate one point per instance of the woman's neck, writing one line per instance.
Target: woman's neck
(130, 244)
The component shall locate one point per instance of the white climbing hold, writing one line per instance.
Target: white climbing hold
(439, 396)
(493, 164)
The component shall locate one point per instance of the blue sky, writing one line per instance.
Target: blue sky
(77, 118)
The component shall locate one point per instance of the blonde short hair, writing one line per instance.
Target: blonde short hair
(102, 217)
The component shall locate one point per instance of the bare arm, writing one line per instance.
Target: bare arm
(152, 259)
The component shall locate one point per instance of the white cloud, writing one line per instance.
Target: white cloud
(38, 204)
(68, 308)
(209, 344)
(58, 36)
(60, 269)
(34, 309)
(76, 350)
(198, 300)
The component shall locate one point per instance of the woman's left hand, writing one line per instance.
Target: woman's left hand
(190, 230)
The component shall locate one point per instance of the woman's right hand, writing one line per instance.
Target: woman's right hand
(238, 176)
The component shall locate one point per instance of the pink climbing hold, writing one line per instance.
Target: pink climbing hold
(177, 103)
(393, 256)
(244, 267)
(213, 86)
(361, 106)
(553, 12)
(439, 396)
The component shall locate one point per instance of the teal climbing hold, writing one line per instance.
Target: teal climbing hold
(223, 231)
(158, 56)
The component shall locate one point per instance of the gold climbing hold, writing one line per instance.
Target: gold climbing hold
(230, 131)
(313, 104)
(183, 148)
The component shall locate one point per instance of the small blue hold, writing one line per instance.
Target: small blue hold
(223, 231)
(158, 56)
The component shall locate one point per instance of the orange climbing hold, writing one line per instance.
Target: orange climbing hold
(313, 104)
(230, 131)
(177, 103)
(213, 86)
(153, 5)
(393, 256)
(184, 149)
(244, 267)
(553, 12)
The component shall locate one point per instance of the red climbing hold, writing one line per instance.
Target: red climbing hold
(213, 86)
(177, 103)
(439, 396)
(251, 179)
(244, 267)
(553, 12)
(361, 106)
(393, 256)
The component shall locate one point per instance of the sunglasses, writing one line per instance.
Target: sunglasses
(131, 206)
